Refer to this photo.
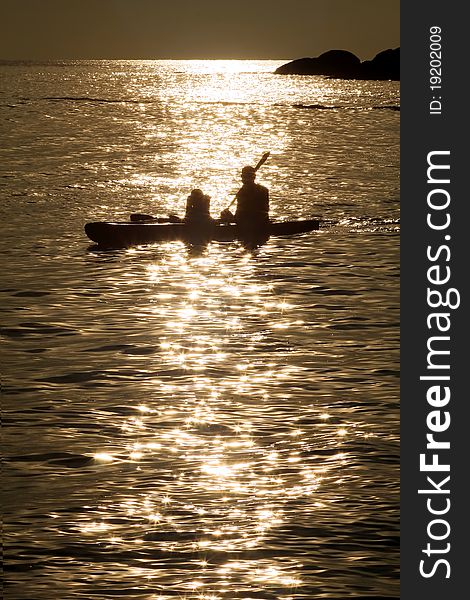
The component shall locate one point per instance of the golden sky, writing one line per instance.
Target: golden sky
(153, 29)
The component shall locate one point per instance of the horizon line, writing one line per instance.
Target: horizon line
(51, 59)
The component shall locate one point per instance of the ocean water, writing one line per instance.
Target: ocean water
(210, 424)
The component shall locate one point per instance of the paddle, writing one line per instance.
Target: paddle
(137, 217)
(144, 218)
(261, 162)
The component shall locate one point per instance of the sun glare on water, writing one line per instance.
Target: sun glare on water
(229, 486)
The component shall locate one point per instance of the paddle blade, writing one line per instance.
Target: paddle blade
(138, 217)
(262, 160)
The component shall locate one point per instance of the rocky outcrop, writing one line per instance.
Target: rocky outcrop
(386, 65)
(342, 64)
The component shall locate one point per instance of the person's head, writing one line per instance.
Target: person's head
(197, 193)
(248, 174)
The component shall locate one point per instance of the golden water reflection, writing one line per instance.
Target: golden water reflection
(246, 403)
(222, 457)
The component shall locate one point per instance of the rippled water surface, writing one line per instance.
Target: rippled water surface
(199, 423)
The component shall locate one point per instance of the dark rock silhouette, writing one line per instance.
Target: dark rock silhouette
(342, 64)
(385, 65)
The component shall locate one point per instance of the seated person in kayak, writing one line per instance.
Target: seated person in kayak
(197, 208)
(252, 202)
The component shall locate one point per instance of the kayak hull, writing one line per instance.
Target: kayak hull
(122, 235)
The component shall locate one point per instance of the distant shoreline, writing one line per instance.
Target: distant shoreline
(342, 64)
(339, 64)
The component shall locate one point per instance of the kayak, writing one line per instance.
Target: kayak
(125, 234)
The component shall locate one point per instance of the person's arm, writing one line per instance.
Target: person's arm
(188, 208)
(264, 204)
(237, 200)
